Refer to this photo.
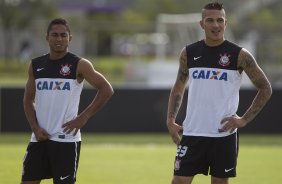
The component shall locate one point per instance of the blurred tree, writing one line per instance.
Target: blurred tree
(17, 15)
(267, 23)
(103, 21)
(267, 19)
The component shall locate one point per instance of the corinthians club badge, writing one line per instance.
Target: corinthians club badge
(224, 59)
(177, 164)
(65, 70)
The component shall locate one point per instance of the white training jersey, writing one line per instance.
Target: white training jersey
(57, 95)
(213, 88)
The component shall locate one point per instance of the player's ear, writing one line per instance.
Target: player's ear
(70, 38)
(202, 24)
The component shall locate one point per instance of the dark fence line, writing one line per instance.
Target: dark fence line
(136, 111)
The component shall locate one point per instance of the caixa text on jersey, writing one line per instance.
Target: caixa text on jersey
(53, 85)
(209, 74)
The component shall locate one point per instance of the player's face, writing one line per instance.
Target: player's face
(58, 39)
(214, 24)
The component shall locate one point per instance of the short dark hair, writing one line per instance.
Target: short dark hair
(57, 21)
(214, 6)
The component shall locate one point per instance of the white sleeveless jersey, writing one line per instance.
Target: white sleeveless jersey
(213, 88)
(57, 95)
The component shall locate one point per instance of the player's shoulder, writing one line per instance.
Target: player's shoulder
(84, 61)
(84, 64)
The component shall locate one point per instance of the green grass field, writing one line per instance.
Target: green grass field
(145, 159)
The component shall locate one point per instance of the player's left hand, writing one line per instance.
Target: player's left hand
(74, 125)
(231, 123)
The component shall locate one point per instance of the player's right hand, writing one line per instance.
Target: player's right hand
(41, 134)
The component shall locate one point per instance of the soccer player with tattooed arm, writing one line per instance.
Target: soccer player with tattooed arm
(212, 69)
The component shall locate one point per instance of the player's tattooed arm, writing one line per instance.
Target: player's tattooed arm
(182, 75)
(175, 107)
(178, 89)
(247, 63)
(175, 98)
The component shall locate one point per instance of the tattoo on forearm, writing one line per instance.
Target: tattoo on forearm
(258, 103)
(176, 106)
(261, 82)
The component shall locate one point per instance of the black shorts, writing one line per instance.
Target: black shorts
(50, 159)
(202, 155)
